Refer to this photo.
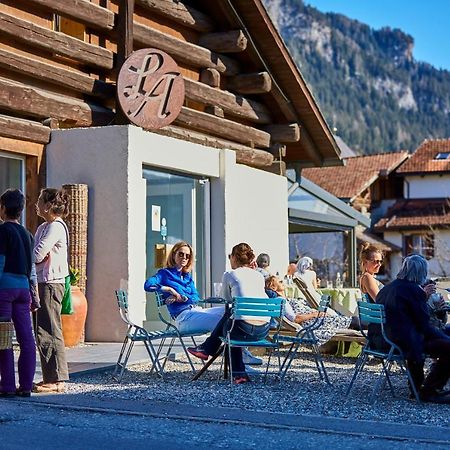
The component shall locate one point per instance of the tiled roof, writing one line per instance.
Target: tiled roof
(422, 160)
(416, 214)
(358, 173)
(385, 246)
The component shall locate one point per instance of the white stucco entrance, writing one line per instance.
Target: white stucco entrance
(246, 205)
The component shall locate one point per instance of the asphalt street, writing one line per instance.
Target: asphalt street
(84, 422)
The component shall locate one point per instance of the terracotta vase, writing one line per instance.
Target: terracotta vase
(73, 324)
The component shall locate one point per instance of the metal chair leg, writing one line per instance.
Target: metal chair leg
(119, 363)
(359, 365)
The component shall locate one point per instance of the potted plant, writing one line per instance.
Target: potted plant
(73, 324)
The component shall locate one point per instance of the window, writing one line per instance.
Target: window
(423, 244)
(12, 173)
(69, 27)
(442, 155)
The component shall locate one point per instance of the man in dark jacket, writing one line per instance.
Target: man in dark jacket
(408, 326)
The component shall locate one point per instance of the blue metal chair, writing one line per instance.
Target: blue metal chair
(173, 333)
(306, 337)
(373, 313)
(134, 334)
(257, 307)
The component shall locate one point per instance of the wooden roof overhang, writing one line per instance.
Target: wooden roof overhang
(50, 79)
(317, 146)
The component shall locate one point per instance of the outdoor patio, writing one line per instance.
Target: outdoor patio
(302, 392)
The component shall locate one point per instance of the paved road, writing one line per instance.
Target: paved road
(84, 422)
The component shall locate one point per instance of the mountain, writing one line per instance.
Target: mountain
(371, 90)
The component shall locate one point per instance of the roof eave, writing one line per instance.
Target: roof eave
(289, 78)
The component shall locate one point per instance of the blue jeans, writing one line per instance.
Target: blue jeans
(198, 319)
(242, 331)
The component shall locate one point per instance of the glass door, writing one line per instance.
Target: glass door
(12, 174)
(177, 209)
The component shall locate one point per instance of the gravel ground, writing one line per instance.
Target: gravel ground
(301, 392)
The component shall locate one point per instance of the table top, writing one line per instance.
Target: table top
(215, 301)
(343, 300)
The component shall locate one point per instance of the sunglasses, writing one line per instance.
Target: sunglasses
(183, 255)
(377, 261)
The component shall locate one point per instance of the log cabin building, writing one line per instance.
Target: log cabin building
(246, 114)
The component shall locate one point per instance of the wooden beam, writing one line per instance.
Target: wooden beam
(82, 11)
(61, 76)
(250, 83)
(223, 128)
(233, 41)
(233, 105)
(244, 155)
(54, 42)
(32, 164)
(289, 132)
(184, 52)
(278, 150)
(180, 13)
(214, 110)
(211, 77)
(21, 147)
(27, 130)
(36, 102)
(124, 47)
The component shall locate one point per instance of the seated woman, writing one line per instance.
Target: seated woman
(309, 277)
(181, 296)
(408, 325)
(371, 258)
(299, 312)
(241, 281)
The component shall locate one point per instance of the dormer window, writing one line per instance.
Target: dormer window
(442, 155)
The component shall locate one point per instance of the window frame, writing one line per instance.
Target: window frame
(424, 245)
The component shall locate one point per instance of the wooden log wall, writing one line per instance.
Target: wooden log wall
(38, 64)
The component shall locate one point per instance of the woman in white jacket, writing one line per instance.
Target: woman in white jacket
(50, 255)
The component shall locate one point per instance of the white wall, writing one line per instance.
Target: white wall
(428, 186)
(438, 266)
(396, 258)
(246, 205)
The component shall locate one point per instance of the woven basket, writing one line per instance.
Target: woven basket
(77, 224)
(6, 335)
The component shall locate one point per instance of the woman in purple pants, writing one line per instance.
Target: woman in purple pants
(16, 246)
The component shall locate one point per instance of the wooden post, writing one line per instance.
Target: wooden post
(124, 46)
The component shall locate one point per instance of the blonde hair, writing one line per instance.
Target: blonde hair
(171, 258)
(366, 253)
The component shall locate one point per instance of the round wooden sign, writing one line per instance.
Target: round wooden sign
(150, 88)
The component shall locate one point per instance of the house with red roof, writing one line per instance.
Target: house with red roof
(420, 221)
(369, 184)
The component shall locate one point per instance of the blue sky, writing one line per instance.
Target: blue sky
(428, 22)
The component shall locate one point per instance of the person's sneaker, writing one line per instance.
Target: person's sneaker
(7, 394)
(241, 379)
(198, 352)
(434, 397)
(22, 393)
(249, 359)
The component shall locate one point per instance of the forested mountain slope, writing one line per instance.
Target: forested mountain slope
(366, 81)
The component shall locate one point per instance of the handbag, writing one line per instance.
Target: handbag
(6, 334)
(66, 302)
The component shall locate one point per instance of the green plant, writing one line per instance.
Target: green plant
(74, 275)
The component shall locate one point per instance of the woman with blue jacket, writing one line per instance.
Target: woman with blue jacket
(176, 285)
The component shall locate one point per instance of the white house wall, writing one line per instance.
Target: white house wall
(429, 186)
(439, 265)
(246, 205)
